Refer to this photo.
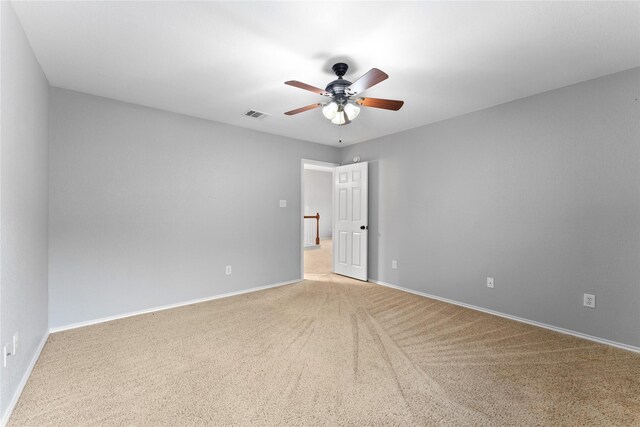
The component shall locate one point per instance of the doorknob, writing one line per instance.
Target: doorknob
(362, 227)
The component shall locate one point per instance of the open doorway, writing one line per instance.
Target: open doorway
(317, 221)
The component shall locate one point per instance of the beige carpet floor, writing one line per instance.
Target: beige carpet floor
(327, 351)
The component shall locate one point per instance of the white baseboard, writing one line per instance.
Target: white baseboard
(23, 381)
(165, 307)
(516, 318)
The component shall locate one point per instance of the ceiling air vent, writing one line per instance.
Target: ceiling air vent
(255, 114)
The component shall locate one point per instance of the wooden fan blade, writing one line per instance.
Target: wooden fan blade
(371, 78)
(305, 86)
(387, 104)
(303, 109)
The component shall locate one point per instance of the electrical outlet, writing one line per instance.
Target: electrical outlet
(589, 301)
(490, 282)
(5, 353)
(283, 203)
(15, 343)
(228, 270)
(394, 264)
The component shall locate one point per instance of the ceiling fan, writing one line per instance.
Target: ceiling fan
(342, 108)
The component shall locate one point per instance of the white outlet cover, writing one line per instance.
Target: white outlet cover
(394, 264)
(490, 282)
(589, 301)
(283, 203)
(15, 343)
(227, 270)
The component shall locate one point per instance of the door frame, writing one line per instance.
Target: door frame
(332, 166)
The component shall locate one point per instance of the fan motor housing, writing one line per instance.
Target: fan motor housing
(338, 89)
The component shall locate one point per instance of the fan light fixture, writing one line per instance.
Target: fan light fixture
(336, 113)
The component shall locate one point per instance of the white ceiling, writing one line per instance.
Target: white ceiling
(216, 60)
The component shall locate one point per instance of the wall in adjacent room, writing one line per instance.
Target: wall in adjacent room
(24, 205)
(541, 193)
(148, 207)
(318, 194)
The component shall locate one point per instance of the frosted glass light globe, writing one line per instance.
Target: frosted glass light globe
(330, 110)
(339, 119)
(352, 111)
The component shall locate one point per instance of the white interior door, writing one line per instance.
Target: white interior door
(350, 204)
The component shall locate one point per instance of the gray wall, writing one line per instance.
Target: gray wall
(24, 202)
(148, 207)
(541, 193)
(318, 194)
